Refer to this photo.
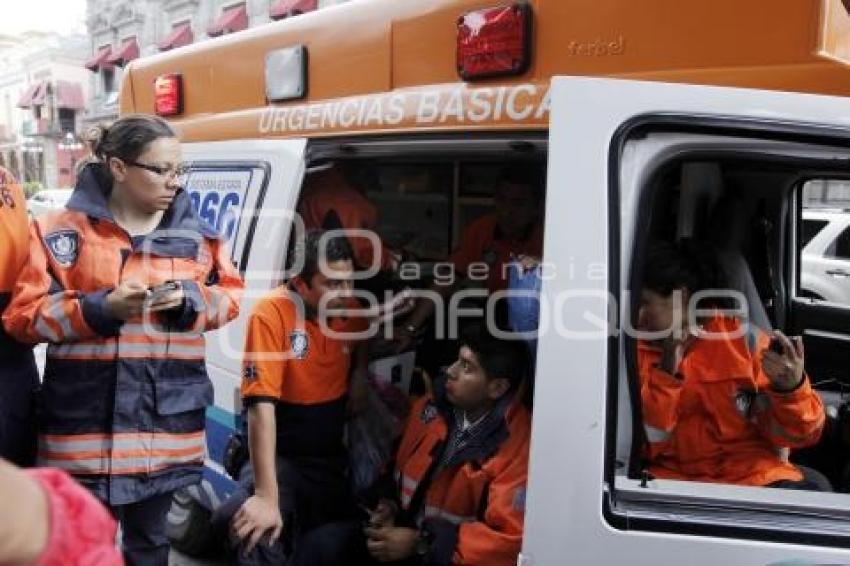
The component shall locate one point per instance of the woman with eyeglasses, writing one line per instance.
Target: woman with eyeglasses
(122, 284)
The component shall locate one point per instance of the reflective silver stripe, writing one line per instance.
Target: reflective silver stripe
(777, 429)
(87, 466)
(157, 331)
(408, 483)
(44, 329)
(121, 465)
(83, 349)
(56, 312)
(140, 442)
(73, 445)
(215, 304)
(405, 499)
(143, 329)
(654, 434)
(160, 349)
(450, 517)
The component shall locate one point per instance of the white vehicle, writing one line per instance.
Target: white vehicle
(628, 161)
(825, 267)
(46, 200)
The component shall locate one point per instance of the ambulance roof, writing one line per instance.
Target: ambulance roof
(390, 65)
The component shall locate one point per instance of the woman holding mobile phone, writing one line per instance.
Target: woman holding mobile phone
(122, 284)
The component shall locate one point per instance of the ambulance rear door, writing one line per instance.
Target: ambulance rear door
(247, 190)
(609, 142)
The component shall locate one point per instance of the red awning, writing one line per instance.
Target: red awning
(284, 8)
(99, 58)
(233, 19)
(26, 98)
(69, 95)
(128, 51)
(180, 35)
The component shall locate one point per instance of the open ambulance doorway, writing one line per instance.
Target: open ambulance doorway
(423, 198)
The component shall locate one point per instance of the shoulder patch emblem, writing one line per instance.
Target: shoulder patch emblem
(64, 246)
(429, 413)
(299, 343)
(744, 402)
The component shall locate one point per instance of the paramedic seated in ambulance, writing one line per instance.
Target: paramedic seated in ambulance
(456, 491)
(492, 241)
(296, 378)
(720, 403)
(332, 202)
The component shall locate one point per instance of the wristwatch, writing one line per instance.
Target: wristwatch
(411, 329)
(424, 541)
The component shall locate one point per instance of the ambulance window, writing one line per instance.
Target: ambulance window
(699, 426)
(413, 202)
(224, 196)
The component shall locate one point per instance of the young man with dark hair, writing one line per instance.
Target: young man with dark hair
(458, 490)
(296, 382)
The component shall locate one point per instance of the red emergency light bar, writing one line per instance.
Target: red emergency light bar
(494, 42)
(168, 94)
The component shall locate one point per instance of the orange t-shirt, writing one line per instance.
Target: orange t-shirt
(290, 359)
(482, 243)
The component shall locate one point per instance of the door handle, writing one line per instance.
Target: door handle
(838, 273)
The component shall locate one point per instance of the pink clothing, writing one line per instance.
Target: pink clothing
(82, 531)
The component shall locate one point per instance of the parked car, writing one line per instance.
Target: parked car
(825, 269)
(47, 200)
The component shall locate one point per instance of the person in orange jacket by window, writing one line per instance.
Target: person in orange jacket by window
(123, 284)
(719, 404)
(18, 373)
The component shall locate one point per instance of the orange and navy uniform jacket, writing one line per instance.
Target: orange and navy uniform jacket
(294, 362)
(484, 242)
(123, 401)
(473, 498)
(18, 375)
(330, 203)
(720, 420)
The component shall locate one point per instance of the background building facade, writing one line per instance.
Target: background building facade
(122, 31)
(43, 89)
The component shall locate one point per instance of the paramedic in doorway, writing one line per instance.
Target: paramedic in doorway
(18, 373)
(334, 199)
(297, 379)
(492, 241)
(125, 386)
(456, 492)
(719, 404)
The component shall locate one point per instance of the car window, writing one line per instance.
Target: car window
(825, 208)
(810, 230)
(840, 247)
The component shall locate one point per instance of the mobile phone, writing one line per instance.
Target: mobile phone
(159, 292)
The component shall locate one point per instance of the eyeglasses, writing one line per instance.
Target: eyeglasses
(175, 171)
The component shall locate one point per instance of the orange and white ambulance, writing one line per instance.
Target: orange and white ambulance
(657, 119)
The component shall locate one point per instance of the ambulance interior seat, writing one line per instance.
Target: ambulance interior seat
(706, 211)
